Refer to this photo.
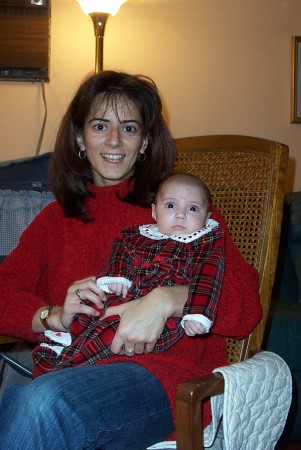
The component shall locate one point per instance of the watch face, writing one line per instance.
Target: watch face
(44, 314)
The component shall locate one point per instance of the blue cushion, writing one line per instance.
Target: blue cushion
(288, 277)
(24, 191)
(17, 210)
(28, 173)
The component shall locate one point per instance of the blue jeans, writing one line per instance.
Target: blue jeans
(119, 406)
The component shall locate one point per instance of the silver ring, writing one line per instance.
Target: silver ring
(77, 292)
(129, 351)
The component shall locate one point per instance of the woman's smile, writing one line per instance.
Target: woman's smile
(112, 158)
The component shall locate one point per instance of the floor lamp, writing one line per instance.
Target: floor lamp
(100, 10)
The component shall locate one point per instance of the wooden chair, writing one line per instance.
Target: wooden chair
(246, 176)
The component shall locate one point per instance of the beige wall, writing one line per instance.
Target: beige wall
(223, 66)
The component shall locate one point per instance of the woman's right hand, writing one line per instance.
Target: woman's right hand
(142, 320)
(62, 316)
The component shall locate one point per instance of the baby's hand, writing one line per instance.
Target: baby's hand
(118, 289)
(192, 328)
(115, 285)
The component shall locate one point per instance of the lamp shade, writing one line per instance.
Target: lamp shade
(103, 6)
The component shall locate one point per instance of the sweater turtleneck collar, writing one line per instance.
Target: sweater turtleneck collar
(106, 196)
(121, 188)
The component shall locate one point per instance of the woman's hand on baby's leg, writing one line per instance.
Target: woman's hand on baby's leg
(84, 297)
(142, 321)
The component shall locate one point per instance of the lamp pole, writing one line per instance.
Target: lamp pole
(99, 22)
(99, 11)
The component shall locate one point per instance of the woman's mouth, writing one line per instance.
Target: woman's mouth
(112, 158)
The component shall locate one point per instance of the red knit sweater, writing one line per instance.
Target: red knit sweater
(55, 251)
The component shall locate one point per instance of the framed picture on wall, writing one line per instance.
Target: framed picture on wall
(296, 80)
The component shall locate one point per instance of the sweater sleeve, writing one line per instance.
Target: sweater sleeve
(21, 274)
(239, 309)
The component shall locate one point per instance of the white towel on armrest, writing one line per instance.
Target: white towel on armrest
(255, 403)
(254, 406)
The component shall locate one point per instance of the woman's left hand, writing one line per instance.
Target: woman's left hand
(142, 320)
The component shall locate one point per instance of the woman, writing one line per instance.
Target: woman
(112, 150)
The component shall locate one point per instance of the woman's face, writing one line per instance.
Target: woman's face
(112, 137)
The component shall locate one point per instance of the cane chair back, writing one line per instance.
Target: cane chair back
(246, 176)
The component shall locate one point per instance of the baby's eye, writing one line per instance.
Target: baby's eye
(193, 208)
(170, 205)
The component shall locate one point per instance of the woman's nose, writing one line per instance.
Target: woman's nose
(114, 138)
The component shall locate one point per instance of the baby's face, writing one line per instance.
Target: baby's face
(180, 209)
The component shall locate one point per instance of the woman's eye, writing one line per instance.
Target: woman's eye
(99, 127)
(130, 129)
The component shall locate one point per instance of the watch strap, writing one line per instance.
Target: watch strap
(45, 320)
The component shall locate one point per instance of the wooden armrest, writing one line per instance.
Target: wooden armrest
(189, 409)
(8, 340)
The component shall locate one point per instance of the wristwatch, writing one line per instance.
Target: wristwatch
(44, 316)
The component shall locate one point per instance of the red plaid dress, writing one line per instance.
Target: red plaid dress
(148, 264)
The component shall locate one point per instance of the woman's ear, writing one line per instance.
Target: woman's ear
(142, 153)
(154, 211)
(79, 140)
(145, 143)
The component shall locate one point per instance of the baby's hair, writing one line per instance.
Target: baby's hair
(188, 179)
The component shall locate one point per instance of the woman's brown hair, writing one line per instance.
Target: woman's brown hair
(70, 175)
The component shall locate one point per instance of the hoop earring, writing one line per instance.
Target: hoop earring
(142, 156)
(82, 154)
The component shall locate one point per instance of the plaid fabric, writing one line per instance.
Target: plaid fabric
(148, 264)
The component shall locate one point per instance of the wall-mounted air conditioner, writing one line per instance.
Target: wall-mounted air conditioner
(24, 40)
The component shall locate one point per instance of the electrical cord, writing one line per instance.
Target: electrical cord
(44, 120)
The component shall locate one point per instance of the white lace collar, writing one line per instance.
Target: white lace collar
(151, 231)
